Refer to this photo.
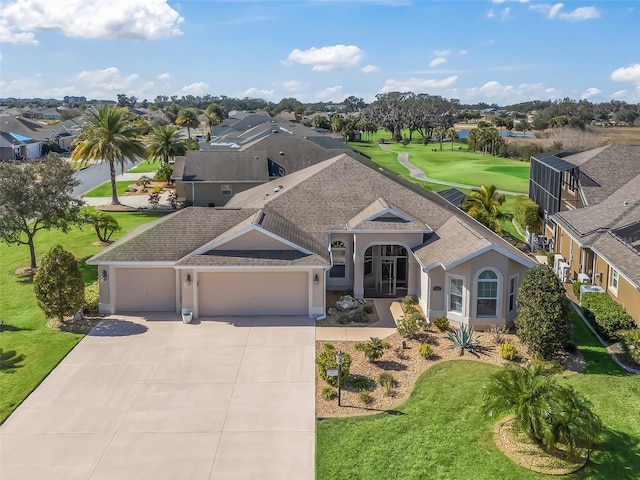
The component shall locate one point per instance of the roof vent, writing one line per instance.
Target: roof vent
(625, 203)
(274, 131)
(281, 153)
(257, 157)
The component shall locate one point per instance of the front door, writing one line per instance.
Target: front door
(387, 280)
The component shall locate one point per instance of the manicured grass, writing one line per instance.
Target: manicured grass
(104, 190)
(39, 349)
(598, 360)
(146, 167)
(439, 432)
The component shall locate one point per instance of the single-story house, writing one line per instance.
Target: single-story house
(341, 224)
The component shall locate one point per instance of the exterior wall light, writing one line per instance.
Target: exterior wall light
(316, 279)
(187, 279)
(103, 275)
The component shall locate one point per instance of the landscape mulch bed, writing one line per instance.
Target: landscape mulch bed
(83, 325)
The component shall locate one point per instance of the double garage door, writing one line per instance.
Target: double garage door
(253, 293)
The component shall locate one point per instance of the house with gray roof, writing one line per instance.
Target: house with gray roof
(339, 224)
(592, 205)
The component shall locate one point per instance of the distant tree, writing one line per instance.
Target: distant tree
(484, 205)
(108, 135)
(58, 285)
(439, 133)
(354, 104)
(543, 312)
(452, 134)
(215, 114)
(522, 126)
(188, 117)
(34, 197)
(191, 144)
(165, 144)
(105, 225)
(320, 121)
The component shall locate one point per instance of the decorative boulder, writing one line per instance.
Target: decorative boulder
(346, 303)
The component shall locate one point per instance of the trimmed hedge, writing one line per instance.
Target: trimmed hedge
(527, 213)
(605, 314)
(576, 288)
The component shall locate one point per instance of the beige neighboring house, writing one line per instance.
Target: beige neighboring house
(277, 248)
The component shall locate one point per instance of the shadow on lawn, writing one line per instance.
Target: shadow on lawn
(10, 360)
(617, 456)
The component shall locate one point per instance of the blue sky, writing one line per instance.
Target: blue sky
(494, 51)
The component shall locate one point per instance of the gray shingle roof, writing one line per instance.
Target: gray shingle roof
(253, 258)
(225, 167)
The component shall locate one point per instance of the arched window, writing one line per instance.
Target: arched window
(339, 256)
(487, 294)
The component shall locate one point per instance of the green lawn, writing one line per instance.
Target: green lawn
(146, 167)
(104, 190)
(439, 433)
(38, 349)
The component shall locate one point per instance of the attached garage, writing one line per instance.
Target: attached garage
(145, 289)
(253, 293)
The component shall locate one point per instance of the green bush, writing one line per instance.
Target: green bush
(630, 340)
(605, 314)
(164, 173)
(409, 308)
(409, 325)
(441, 323)
(328, 393)
(508, 351)
(425, 350)
(408, 300)
(387, 382)
(326, 360)
(576, 288)
(91, 298)
(373, 349)
(366, 398)
(527, 213)
(361, 384)
(360, 316)
(368, 308)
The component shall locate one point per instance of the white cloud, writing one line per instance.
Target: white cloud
(494, 91)
(416, 85)
(590, 92)
(577, 15)
(195, 89)
(504, 1)
(619, 94)
(505, 14)
(116, 19)
(370, 69)
(437, 61)
(164, 76)
(442, 53)
(462, 52)
(629, 74)
(254, 92)
(331, 94)
(491, 13)
(107, 80)
(328, 59)
(293, 85)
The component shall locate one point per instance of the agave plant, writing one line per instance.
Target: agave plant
(462, 339)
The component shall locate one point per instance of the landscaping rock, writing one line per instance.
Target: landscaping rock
(332, 311)
(346, 303)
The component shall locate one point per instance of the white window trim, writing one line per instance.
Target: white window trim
(499, 298)
(228, 191)
(614, 275)
(449, 277)
(345, 248)
(516, 287)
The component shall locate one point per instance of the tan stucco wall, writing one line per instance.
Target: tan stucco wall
(206, 193)
(629, 298)
(254, 240)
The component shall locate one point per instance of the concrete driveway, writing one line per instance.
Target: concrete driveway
(153, 398)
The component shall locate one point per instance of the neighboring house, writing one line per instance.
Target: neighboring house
(453, 195)
(340, 224)
(591, 207)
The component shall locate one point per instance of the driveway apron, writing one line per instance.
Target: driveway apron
(148, 397)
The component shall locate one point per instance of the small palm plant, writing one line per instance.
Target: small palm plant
(462, 339)
(373, 349)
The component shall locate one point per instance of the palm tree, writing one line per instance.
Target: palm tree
(545, 411)
(484, 206)
(474, 138)
(165, 144)
(108, 135)
(439, 132)
(215, 114)
(188, 117)
(452, 133)
(373, 349)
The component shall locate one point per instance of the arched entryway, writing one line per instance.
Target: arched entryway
(385, 271)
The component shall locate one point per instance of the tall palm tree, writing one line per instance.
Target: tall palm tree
(545, 411)
(188, 117)
(110, 136)
(484, 206)
(165, 143)
(215, 114)
(452, 133)
(474, 138)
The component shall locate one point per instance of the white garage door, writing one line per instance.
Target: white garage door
(145, 289)
(246, 293)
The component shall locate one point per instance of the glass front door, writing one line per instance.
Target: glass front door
(387, 280)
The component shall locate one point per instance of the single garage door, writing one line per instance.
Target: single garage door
(145, 289)
(246, 293)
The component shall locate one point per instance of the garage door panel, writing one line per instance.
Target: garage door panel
(145, 289)
(245, 293)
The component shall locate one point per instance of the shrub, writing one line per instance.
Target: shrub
(508, 351)
(462, 339)
(360, 316)
(144, 181)
(91, 298)
(576, 288)
(606, 314)
(409, 308)
(366, 398)
(387, 382)
(441, 323)
(326, 360)
(408, 300)
(425, 350)
(361, 384)
(543, 315)
(373, 349)
(498, 332)
(409, 325)
(158, 189)
(328, 393)
(630, 340)
(550, 259)
(164, 173)
(368, 308)
(527, 213)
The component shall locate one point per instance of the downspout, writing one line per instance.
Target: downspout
(193, 193)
